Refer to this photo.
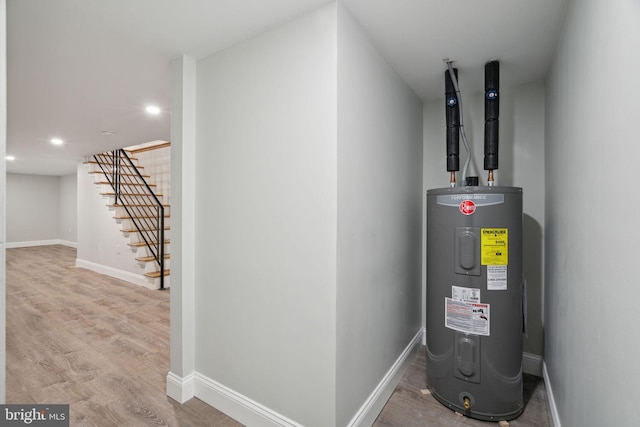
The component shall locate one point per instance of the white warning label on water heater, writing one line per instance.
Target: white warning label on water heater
(470, 318)
(459, 293)
(496, 277)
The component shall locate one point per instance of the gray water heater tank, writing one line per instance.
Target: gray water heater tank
(474, 300)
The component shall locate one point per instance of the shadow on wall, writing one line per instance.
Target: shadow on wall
(532, 270)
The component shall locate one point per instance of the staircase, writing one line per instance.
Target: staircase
(138, 207)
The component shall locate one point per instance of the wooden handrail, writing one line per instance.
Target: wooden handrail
(150, 148)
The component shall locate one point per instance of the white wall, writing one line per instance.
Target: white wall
(379, 218)
(41, 209)
(308, 187)
(33, 208)
(102, 246)
(591, 250)
(521, 164)
(266, 218)
(183, 180)
(68, 204)
(3, 145)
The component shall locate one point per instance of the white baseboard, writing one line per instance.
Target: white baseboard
(372, 407)
(180, 389)
(532, 364)
(136, 279)
(68, 243)
(238, 406)
(250, 412)
(31, 243)
(555, 417)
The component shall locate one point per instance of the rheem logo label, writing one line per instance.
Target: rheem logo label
(467, 207)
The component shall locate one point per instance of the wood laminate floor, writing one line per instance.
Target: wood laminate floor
(102, 346)
(99, 344)
(409, 407)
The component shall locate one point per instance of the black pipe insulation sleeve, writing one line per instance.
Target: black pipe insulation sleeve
(448, 83)
(453, 157)
(491, 88)
(453, 138)
(491, 114)
(491, 145)
(452, 110)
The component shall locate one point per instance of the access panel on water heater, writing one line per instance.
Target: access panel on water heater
(467, 251)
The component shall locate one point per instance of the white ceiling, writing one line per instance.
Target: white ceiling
(78, 67)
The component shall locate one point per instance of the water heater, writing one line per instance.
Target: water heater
(474, 278)
(474, 300)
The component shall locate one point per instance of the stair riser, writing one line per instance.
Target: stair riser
(134, 234)
(143, 251)
(120, 211)
(146, 199)
(150, 267)
(136, 237)
(127, 224)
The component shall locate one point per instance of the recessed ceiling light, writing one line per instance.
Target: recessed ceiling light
(152, 109)
(57, 141)
(10, 158)
(108, 133)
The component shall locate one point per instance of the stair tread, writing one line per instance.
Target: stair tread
(126, 174)
(139, 217)
(135, 230)
(156, 274)
(125, 184)
(150, 258)
(141, 244)
(112, 193)
(118, 205)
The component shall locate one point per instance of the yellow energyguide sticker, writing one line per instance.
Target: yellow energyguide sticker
(494, 246)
